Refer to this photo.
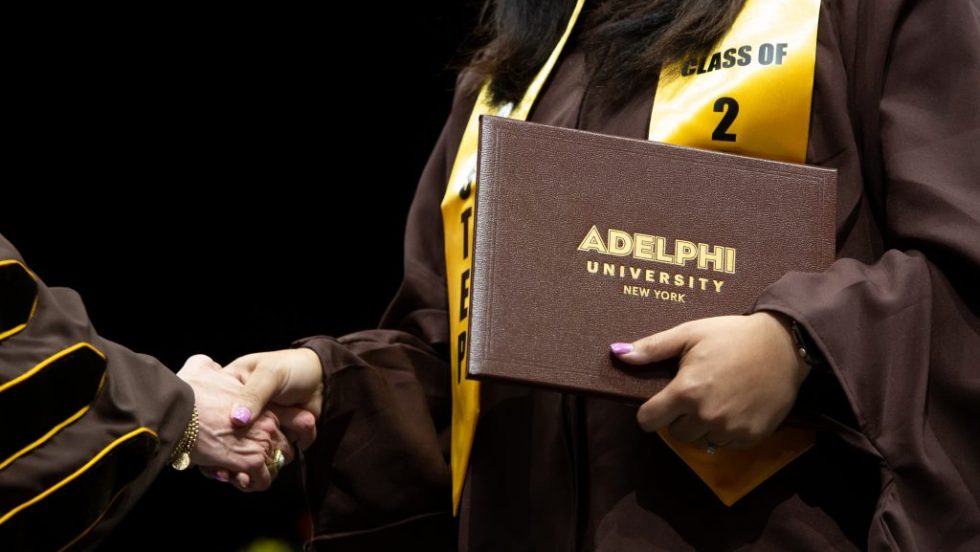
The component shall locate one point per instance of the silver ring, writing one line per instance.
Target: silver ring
(709, 447)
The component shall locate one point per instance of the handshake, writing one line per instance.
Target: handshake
(252, 414)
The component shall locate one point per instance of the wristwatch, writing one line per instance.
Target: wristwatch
(805, 346)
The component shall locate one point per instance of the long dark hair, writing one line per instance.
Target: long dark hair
(632, 37)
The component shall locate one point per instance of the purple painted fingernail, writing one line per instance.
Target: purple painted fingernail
(241, 415)
(221, 476)
(621, 348)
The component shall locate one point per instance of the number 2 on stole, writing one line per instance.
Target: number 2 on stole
(729, 107)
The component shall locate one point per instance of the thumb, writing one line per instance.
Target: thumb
(654, 348)
(262, 382)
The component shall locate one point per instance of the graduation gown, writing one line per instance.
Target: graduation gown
(86, 423)
(896, 466)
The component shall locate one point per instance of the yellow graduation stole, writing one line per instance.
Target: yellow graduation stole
(750, 96)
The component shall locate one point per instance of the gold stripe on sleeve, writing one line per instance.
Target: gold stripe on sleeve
(56, 392)
(18, 297)
(70, 508)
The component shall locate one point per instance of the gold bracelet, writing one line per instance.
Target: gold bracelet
(180, 458)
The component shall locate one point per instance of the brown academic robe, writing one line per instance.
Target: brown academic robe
(896, 466)
(71, 482)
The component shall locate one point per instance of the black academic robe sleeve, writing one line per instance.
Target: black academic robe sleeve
(901, 332)
(86, 423)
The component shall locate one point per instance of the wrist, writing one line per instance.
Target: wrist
(788, 336)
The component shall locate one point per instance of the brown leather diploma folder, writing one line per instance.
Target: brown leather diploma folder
(583, 239)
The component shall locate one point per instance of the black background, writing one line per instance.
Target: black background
(223, 183)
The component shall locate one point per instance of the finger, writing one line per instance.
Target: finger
(266, 430)
(242, 481)
(217, 474)
(263, 384)
(261, 480)
(660, 410)
(659, 346)
(281, 442)
(299, 425)
(688, 428)
(256, 478)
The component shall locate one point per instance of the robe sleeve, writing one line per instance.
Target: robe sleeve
(86, 424)
(379, 470)
(901, 334)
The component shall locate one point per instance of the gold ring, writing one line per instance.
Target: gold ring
(276, 463)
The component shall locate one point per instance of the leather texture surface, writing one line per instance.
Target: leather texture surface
(546, 300)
